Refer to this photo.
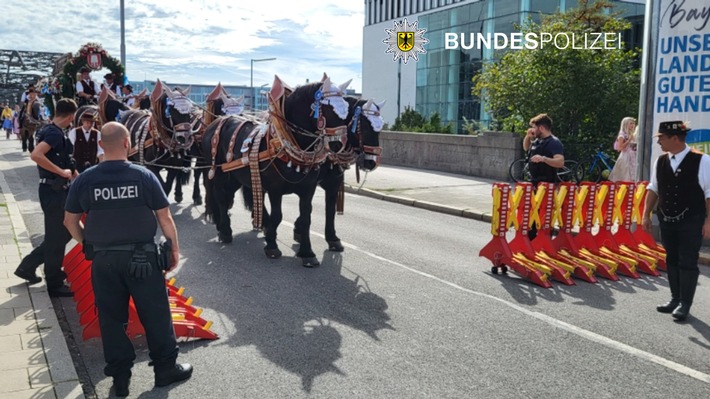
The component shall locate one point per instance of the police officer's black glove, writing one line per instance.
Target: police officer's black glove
(140, 267)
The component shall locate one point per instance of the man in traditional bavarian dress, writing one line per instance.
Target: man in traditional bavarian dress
(85, 139)
(31, 121)
(111, 85)
(680, 190)
(86, 89)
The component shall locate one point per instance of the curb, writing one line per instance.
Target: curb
(65, 380)
(703, 259)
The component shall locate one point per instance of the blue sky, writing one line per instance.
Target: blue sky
(201, 41)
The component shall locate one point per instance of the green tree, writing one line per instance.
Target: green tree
(585, 92)
(412, 121)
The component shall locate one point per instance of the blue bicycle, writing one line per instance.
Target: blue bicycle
(596, 169)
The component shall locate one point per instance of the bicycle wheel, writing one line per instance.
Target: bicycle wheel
(567, 173)
(518, 171)
(588, 171)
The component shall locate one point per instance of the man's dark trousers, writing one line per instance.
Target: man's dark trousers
(56, 236)
(113, 287)
(682, 241)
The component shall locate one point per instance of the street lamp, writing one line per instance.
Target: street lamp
(251, 81)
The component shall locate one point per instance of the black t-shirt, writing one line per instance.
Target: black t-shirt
(60, 151)
(119, 199)
(547, 147)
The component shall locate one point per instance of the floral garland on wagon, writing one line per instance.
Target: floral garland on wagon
(92, 56)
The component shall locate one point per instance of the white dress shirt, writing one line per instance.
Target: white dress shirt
(676, 159)
(72, 137)
(80, 87)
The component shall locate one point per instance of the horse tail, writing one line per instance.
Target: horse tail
(184, 175)
(210, 201)
(248, 196)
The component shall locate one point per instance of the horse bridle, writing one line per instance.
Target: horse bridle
(368, 152)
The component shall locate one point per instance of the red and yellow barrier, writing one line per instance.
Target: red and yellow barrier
(604, 245)
(186, 318)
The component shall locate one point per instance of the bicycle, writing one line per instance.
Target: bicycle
(596, 169)
(519, 171)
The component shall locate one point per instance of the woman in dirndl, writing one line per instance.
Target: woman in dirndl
(625, 167)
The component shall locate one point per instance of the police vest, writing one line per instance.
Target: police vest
(85, 151)
(679, 192)
(542, 172)
(118, 211)
(60, 156)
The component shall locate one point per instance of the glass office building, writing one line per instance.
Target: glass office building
(199, 93)
(441, 80)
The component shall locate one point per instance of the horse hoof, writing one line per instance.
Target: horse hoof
(296, 237)
(310, 262)
(272, 253)
(225, 238)
(335, 246)
(178, 198)
(197, 201)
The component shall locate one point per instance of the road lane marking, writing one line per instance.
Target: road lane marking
(586, 334)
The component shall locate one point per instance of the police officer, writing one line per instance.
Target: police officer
(545, 154)
(53, 157)
(87, 151)
(680, 190)
(122, 202)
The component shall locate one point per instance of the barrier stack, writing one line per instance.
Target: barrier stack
(186, 318)
(604, 246)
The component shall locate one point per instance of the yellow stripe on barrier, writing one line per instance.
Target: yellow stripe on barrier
(601, 259)
(535, 206)
(560, 198)
(530, 264)
(579, 200)
(653, 262)
(513, 210)
(639, 196)
(631, 261)
(657, 253)
(589, 265)
(618, 216)
(599, 205)
(495, 219)
(564, 265)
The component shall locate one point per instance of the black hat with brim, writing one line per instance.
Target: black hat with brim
(673, 128)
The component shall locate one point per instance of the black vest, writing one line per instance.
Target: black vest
(85, 151)
(680, 192)
(60, 156)
(88, 87)
(542, 172)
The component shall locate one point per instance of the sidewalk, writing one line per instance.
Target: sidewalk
(36, 361)
(457, 195)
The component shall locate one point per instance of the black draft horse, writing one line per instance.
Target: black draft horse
(162, 137)
(362, 148)
(308, 112)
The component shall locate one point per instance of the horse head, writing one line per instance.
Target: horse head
(110, 108)
(172, 112)
(312, 110)
(367, 127)
(220, 103)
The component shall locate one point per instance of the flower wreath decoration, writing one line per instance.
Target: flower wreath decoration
(67, 79)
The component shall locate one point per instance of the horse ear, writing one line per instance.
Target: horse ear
(277, 89)
(380, 105)
(216, 93)
(325, 76)
(187, 92)
(367, 105)
(240, 99)
(157, 91)
(344, 86)
(326, 85)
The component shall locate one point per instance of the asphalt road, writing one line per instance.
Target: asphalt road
(409, 310)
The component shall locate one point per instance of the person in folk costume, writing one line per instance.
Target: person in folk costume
(86, 89)
(85, 139)
(111, 85)
(25, 94)
(128, 97)
(625, 167)
(31, 121)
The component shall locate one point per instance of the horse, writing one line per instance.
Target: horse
(162, 137)
(361, 148)
(218, 103)
(285, 162)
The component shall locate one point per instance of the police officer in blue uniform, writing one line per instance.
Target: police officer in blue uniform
(679, 190)
(124, 203)
(53, 157)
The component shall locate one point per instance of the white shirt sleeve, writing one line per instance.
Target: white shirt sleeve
(72, 136)
(79, 87)
(24, 97)
(704, 175)
(653, 182)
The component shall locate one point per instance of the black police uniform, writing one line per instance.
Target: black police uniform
(681, 206)
(120, 199)
(52, 198)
